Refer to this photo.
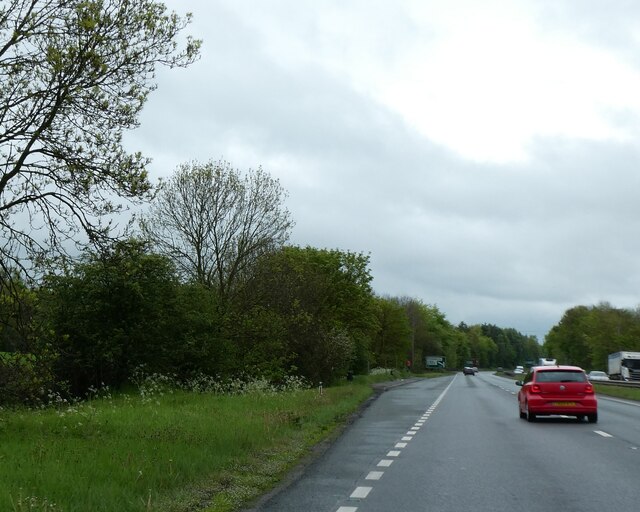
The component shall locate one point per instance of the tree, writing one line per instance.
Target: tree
(567, 341)
(16, 308)
(74, 76)
(483, 348)
(506, 352)
(586, 335)
(113, 312)
(215, 223)
(392, 343)
(430, 330)
(312, 309)
(26, 361)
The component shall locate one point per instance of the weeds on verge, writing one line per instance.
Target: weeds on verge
(134, 452)
(32, 504)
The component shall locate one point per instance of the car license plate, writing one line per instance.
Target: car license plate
(564, 404)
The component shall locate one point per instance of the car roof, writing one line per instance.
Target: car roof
(557, 367)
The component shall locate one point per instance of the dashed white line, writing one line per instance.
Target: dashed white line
(361, 492)
(603, 434)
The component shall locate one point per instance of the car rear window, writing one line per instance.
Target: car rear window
(560, 376)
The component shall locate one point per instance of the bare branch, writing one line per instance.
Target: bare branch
(215, 222)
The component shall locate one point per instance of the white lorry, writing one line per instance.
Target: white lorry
(546, 361)
(624, 366)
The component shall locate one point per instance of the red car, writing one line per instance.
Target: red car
(564, 390)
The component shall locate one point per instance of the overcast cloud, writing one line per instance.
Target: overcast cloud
(485, 154)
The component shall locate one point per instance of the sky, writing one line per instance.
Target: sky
(485, 155)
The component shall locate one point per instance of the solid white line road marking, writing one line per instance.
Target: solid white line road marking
(636, 404)
(347, 509)
(361, 492)
(603, 434)
(374, 475)
(393, 453)
(385, 463)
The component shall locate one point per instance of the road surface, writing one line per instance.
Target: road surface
(457, 442)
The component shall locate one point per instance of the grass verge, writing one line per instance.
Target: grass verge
(173, 452)
(618, 391)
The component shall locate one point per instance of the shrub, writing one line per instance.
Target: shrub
(22, 379)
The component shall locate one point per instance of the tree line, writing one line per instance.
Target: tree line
(263, 308)
(297, 311)
(209, 286)
(586, 335)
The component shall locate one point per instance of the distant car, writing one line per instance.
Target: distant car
(597, 375)
(557, 390)
(467, 370)
(519, 370)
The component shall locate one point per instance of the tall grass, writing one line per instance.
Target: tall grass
(164, 450)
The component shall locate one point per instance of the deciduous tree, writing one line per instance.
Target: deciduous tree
(74, 76)
(309, 308)
(113, 312)
(214, 221)
(392, 343)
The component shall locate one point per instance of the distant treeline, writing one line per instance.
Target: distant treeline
(586, 335)
(208, 285)
(301, 311)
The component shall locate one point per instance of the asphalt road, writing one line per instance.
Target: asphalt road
(456, 443)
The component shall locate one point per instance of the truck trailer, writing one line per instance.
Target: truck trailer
(624, 366)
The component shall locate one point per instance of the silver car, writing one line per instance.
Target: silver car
(597, 375)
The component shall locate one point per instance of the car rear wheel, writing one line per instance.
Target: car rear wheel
(593, 418)
(530, 416)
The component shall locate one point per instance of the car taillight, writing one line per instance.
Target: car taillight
(534, 388)
(588, 389)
